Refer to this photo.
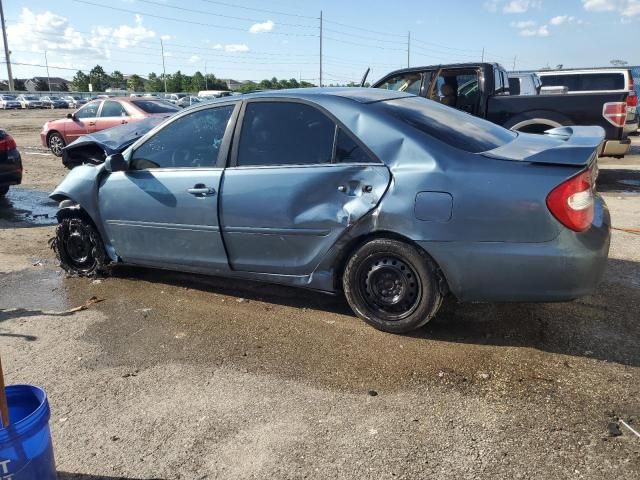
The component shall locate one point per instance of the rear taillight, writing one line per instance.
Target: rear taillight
(572, 202)
(632, 100)
(7, 143)
(615, 113)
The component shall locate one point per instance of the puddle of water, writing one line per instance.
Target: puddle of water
(22, 205)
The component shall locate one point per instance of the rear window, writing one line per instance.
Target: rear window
(453, 127)
(586, 82)
(156, 106)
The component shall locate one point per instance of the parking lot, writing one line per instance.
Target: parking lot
(168, 375)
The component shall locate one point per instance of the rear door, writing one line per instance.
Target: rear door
(112, 114)
(297, 180)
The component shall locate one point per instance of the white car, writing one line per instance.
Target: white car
(29, 101)
(9, 101)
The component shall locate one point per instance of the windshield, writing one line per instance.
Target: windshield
(453, 127)
(31, 97)
(156, 106)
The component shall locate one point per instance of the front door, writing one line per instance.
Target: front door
(290, 193)
(83, 122)
(163, 211)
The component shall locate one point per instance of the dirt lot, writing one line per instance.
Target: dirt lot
(181, 376)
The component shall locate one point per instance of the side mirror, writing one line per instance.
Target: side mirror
(70, 116)
(115, 163)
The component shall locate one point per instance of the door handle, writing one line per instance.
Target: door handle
(124, 121)
(342, 188)
(91, 124)
(201, 191)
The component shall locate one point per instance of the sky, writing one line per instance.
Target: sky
(252, 40)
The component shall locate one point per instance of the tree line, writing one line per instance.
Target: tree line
(175, 82)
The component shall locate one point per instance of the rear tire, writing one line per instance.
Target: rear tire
(56, 143)
(392, 286)
(4, 189)
(78, 247)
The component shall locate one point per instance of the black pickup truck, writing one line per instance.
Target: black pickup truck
(482, 89)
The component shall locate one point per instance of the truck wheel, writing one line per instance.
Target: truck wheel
(392, 286)
(56, 143)
(78, 247)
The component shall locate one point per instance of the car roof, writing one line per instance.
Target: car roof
(357, 94)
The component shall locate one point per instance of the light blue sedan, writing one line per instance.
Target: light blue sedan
(393, 199)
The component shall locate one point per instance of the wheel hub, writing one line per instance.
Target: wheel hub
(387, 284)
(78, 247)
(390, 286)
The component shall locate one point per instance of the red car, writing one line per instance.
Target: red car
(99, 115)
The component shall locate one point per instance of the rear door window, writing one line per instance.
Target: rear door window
(285, 133)
(112, 109)
(455, 128)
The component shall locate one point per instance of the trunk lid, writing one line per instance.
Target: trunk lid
(571, 146)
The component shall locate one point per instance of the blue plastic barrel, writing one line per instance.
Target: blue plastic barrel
(26, 452)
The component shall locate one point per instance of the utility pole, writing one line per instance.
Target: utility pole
(482, 60)
(514, 63)
(320, 47)
(46, 62)
(164, 71)
(206, 82)
(7, 53)
(408, 48)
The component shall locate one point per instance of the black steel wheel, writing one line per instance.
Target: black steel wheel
(78, 247)
(56, 143)
(392, 285)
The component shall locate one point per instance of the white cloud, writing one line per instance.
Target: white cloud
(127, 36)
(37, 32)
(626, 8)
(600, 5)
(519, 6)
(491, 5)
(234, 47)
(542, 31)
(262, 27)
(166, 38)
(523, 24)
(562, 19)
(194, 58)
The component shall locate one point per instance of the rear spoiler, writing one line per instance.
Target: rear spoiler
(575, 146)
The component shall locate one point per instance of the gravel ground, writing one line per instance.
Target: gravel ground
(178, 376)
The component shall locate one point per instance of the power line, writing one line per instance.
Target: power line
(184, 9)
(262, 10)
(363, 45)
(365, 29)
(190, 22)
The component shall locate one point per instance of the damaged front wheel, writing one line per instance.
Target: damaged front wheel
(79, 247)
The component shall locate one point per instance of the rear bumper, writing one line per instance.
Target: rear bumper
(11, 169)
(615, 148)
(568, 267)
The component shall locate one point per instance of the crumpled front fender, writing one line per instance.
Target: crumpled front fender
(79, 191)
